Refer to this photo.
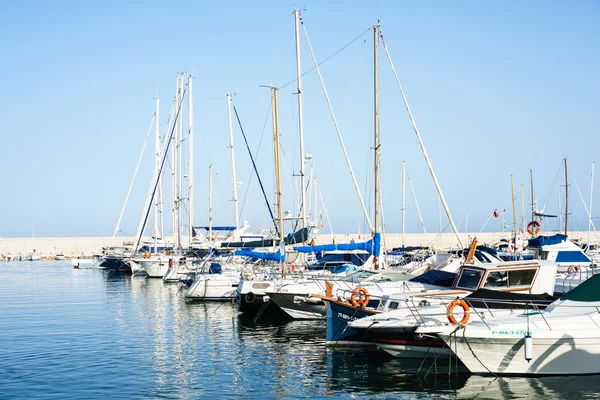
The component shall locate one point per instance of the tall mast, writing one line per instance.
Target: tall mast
(156, 169)
(174, 170)
(300, 122)
(160, 188)
(403, 199)
(591, 198)
(566, 198)
(191, 162)
(275, 115)
(210, 236)
(522, 207)
(180, 167)
(512, 186)
(235, 200)
(376, 119)
(532, 200)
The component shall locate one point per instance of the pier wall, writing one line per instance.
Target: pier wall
(88, 246)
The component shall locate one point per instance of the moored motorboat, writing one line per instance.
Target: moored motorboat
(563, 339)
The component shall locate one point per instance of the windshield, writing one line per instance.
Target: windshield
(469, 279)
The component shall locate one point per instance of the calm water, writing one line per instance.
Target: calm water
(86, 334)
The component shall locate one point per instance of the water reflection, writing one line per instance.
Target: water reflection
(90, 334)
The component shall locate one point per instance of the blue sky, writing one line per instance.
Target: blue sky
(496, 88)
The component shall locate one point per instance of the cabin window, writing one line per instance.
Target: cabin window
(523, 277)
(496, 280)
(469, 279)
(393, 305)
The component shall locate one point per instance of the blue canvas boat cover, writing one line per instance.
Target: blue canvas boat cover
(276, 256)
(373, 246)
(216, 228)
(540, 241)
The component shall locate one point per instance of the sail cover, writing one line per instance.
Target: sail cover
(373, 246)
(276, 256)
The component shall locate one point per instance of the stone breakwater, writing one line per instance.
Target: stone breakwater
(88, 246)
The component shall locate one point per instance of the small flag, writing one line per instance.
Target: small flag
(496, 213)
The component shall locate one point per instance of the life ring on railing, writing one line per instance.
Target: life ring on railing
(572, 269)
(292, 266)
(170, 263)
(533, 228)
(465, 307)
(250, 297)
(147, 254)
(360, 297)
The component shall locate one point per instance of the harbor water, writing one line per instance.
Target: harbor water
(87, 334)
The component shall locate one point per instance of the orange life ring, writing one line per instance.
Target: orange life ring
(147, 254)
(360, 297)
(572, 269)
(465, 307)
(170, 263)
(533, 228)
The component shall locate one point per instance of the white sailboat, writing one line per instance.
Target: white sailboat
(33, 256)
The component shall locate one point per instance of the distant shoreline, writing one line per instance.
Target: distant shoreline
(73, 247)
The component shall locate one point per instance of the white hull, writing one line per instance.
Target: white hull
(214, 287)
(305, 315)
(555, 354)
(408, 351)
(175, 275)
(136, 268)
(154, 267)
(85, 263)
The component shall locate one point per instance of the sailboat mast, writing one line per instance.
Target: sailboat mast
(174, 170)
(376, 121)
(514, 209)
(160, 188)
(522, 207)
(275, 114)
(591, 198)
(156, 168)
(532, 201)
(180, 169)
(566, 198)
(300, 121)
(235, 199)
(191, 162)
(210, 235)
(403, 199)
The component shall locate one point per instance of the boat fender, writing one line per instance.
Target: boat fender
(360, 297)
(533, 228)
(464, 306)
(528, 347)
(170, 263)
(147, 254)
(250, 297)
